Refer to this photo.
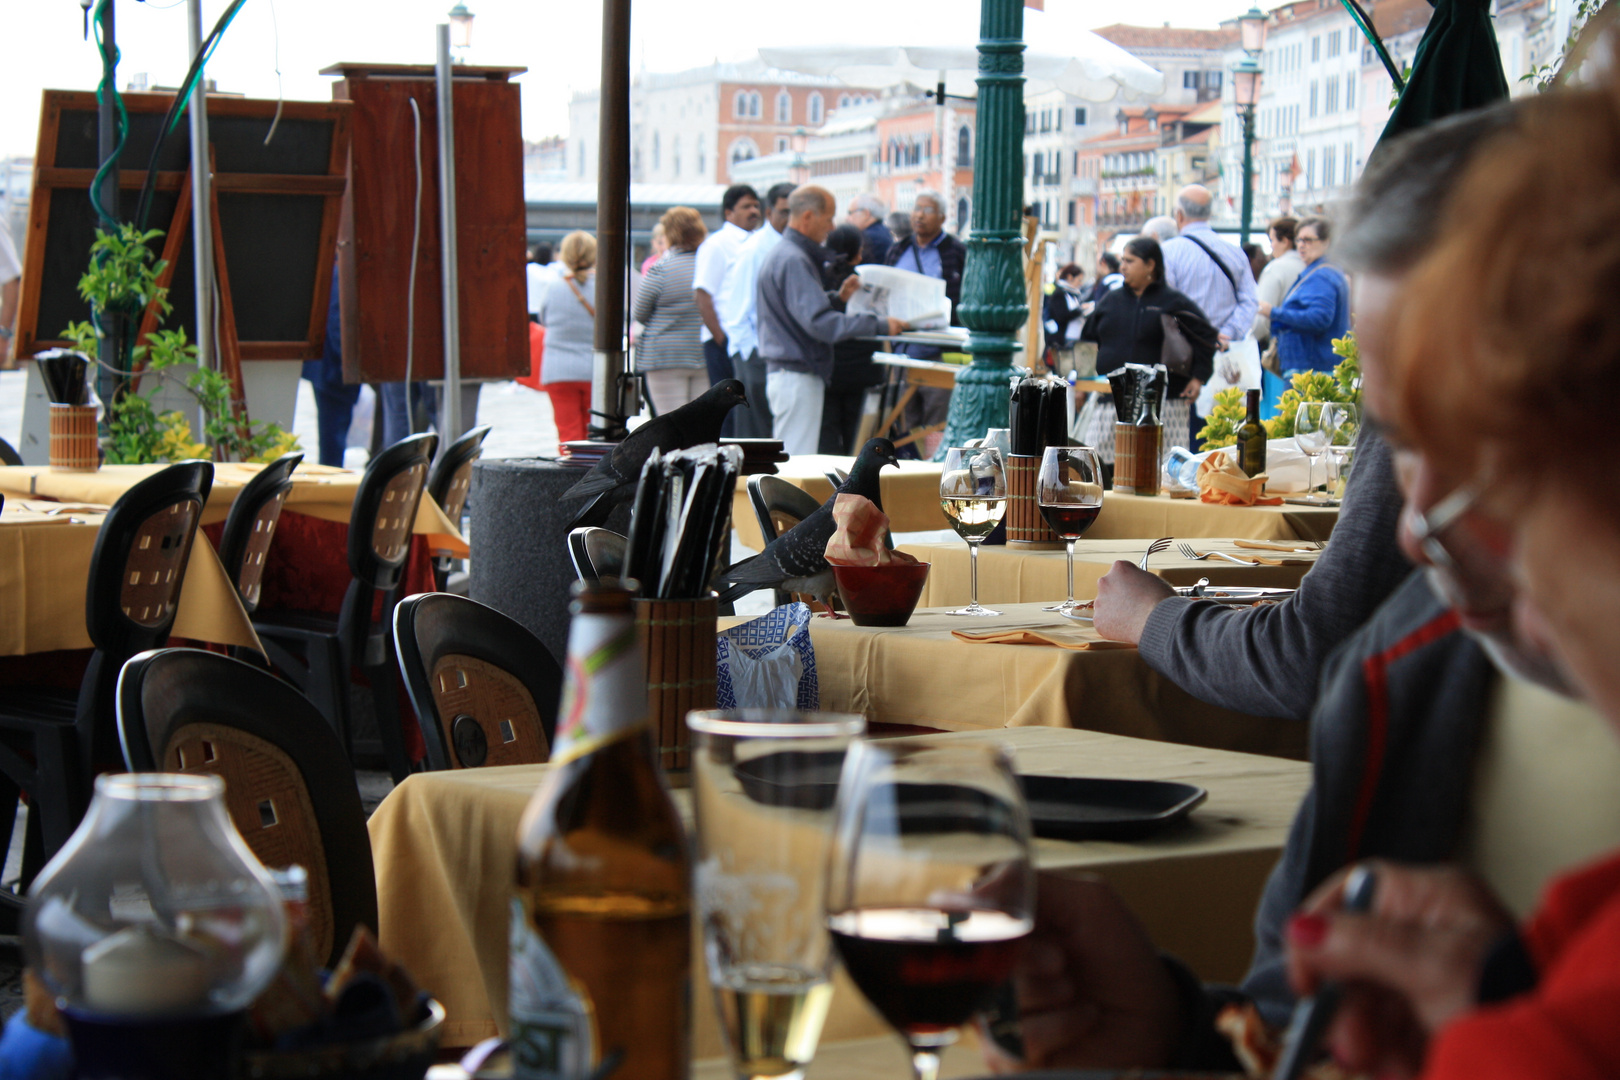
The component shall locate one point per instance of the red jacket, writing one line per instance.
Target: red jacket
(1569, 1026)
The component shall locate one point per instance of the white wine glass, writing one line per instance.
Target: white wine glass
(1313, 430)
(1069, 489)
(1346, 421)
(762, 795)
(930, 892)
(973, 494)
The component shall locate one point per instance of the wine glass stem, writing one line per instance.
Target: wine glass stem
(925, 1064)
(1068, 546)
(973, 573)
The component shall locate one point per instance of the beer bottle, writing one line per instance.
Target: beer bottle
(1251, 439)
(601, 934)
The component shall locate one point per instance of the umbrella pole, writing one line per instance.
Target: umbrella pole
(993, 302)
(613, 395)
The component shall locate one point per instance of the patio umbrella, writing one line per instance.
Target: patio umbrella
(1457, 67)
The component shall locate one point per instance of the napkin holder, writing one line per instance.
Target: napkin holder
(1027, 529)
(678, 636)
(1136, 458)
(73, 444)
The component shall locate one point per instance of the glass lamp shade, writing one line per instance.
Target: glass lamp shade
(1252, 30)
(461, 21)
(1246, 84)
(155, 908)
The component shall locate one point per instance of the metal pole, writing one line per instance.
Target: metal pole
(450, 411)
(1248, 174)
(202, 222)
(613, 393)
(111, 344)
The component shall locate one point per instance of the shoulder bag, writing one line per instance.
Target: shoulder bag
(580, 296)
(1177, 352)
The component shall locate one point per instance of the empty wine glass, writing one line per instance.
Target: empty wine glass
(1313, 429)
(973, 494)
(930, 892)
(1346, 419)
(1070, 493)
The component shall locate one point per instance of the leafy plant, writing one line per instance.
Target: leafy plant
(1545, 76)
(1344, 384)
(123, 278)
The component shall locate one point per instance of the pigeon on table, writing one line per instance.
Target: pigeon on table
(612, 480)
(796, 561)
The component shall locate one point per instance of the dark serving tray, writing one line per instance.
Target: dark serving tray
(1060, 807)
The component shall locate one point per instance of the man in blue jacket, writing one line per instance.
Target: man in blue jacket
(1315, 311)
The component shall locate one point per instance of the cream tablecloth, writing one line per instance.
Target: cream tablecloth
(444, 847)
(910, 493)
(1129, 517)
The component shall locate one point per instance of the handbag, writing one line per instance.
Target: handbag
(1269, 360)
(1177, 352)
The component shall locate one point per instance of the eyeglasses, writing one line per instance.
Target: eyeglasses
(1309, 240)
(1470, 547)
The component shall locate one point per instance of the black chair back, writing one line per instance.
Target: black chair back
(385, 510)
(485, 688)
(449, 483)
(245, 542)
(778, 505)
(288, 785)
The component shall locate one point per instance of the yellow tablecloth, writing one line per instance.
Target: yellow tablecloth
(44, 568)
(1130, 517)
(919, 674)
(444, 846)
(318, 490)
(1013, 576)
(910, 493)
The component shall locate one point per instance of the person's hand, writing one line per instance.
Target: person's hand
(1193, 386)
(1265, 309)
(1092, 991)
(896, 326)
(1223, 341)
(1125, 598)
(1411, 965)
(850, 287)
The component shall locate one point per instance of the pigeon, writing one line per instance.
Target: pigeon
(796, 561)
(612, 480)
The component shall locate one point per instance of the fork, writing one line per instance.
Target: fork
(1153, 549)
(1187, 552)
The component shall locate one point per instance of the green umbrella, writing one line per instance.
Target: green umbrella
(1457, 67)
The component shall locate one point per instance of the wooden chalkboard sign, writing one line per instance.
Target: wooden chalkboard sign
(278, 209)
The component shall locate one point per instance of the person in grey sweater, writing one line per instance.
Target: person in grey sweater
(799, 321)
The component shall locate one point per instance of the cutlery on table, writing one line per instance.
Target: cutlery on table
(1153, 549)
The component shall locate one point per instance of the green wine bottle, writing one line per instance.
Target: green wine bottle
(1251, 439)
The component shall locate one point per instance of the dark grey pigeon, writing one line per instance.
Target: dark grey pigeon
(796, 561)
(612, 480)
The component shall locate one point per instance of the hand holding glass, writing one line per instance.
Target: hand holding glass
(973, 494)
(1070, 492)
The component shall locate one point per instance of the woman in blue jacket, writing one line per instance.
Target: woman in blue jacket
(1315, 311)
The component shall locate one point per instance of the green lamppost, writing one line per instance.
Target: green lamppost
(1246, 95)
(993, 302)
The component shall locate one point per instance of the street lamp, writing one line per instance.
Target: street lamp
(461, 23)
(1246, 93)
(1252, 30)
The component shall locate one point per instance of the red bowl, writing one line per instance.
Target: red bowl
(881, 595)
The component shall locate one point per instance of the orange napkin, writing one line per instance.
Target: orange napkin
(859, 539)
(1062, 639)
(1298, 548)
(1220, 481)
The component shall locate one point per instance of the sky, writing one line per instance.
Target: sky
(558, 40)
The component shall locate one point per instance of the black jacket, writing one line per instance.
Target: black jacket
(1126, 329)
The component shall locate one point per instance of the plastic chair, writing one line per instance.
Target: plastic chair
(51, 741)
(596, 553)
(288, 785)
(315, 649)
(485, 688)
(251, 526)
(448, 484)
(779, 506)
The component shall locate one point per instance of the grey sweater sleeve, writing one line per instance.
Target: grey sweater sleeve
(811, 307)
(1265, 661)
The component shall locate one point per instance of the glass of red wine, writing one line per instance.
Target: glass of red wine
(930, 892)
(1069, 489)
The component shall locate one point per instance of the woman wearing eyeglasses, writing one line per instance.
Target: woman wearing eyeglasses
(1315, 311)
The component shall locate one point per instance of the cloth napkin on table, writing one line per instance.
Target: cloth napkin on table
(1222, 482)
(1296, 548)
(858, 540)
(1063, 639)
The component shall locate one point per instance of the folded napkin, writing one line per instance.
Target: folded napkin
(858, 540)
(1063, 639)
(1222, 482)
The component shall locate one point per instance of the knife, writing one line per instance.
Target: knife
(1312, 1015)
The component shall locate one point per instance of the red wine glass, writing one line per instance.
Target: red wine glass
(1069, 489)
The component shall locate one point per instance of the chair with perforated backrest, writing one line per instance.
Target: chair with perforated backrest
(245, 541)
(315, 650)
(778, 506)
(485, 688)
(596, 553)
(289, 787)
(448, 484)
(52, 742)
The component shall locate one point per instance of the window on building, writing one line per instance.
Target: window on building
(781, 144)
(964, 146)
(1316, 49)
(963, 209)
(675, 155)
(1329, 166)
(1189, 80)
(743, 150)
(740, 104)
(843, 101)
(814, 107)
(755, 104)
(1079, 116)
(1212, 79)
(1312, 111)
(702, 157)
(1349, 165)
(784, 107)
(1330, 97)
(1310, 169)
(1335, 43)
(656, 164)
(582, 159)
(1350, 91)
(1072, 205)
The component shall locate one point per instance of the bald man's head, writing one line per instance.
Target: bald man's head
(810, 210)
(1193, 203)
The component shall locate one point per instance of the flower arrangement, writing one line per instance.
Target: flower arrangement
(123, 279)
(1344, 384)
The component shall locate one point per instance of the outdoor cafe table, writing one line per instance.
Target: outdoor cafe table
(919, 675)
(44, 570)
(1129, 517)
(910, 493)
(1009, 575)
(444, 845)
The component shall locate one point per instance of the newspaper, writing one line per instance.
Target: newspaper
(916, 299)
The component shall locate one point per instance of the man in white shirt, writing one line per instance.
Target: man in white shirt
(10, 285)
(540, 273)
(740, 208)
(740, 315)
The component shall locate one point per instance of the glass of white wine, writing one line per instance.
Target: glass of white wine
(1313, 430)
(1346, 421)
(973, 493)
(762, 793)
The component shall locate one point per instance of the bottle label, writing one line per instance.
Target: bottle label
(605, 692)
(552, 1036)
